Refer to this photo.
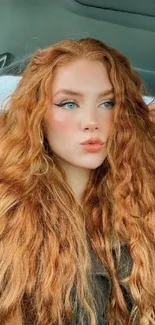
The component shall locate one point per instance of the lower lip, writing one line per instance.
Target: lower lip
(92, 147)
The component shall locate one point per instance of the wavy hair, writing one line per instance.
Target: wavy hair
(44, 251)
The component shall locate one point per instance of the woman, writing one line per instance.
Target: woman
(77, 192)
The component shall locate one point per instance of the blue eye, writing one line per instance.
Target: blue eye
(67, 104)
(108, 104)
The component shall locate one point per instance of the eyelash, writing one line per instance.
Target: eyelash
(62, 104)
(67, 102)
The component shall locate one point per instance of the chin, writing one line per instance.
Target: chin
(92, 165)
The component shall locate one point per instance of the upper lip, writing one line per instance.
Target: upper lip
(93, 141)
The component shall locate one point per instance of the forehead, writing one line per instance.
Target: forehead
(82, 74)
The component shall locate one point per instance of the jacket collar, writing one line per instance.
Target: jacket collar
(125, 267)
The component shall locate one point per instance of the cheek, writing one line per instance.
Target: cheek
(108, 120)
(59, 124)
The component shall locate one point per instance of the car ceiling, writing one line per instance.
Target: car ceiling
(129, 26)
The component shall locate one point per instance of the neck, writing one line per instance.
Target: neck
(77, 178)
(78, 182)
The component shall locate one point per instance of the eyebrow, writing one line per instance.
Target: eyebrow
(79, 94)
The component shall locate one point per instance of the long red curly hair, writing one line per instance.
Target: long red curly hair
(44, 233)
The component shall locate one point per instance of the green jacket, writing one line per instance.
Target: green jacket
(103, 283)
(102, 286)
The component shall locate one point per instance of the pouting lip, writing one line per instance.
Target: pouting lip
(93, 141)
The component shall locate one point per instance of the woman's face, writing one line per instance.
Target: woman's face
(82, 108)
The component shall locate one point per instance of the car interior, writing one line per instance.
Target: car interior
(27, 25)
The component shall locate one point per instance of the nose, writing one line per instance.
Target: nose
(90, 126)
(90, 122)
